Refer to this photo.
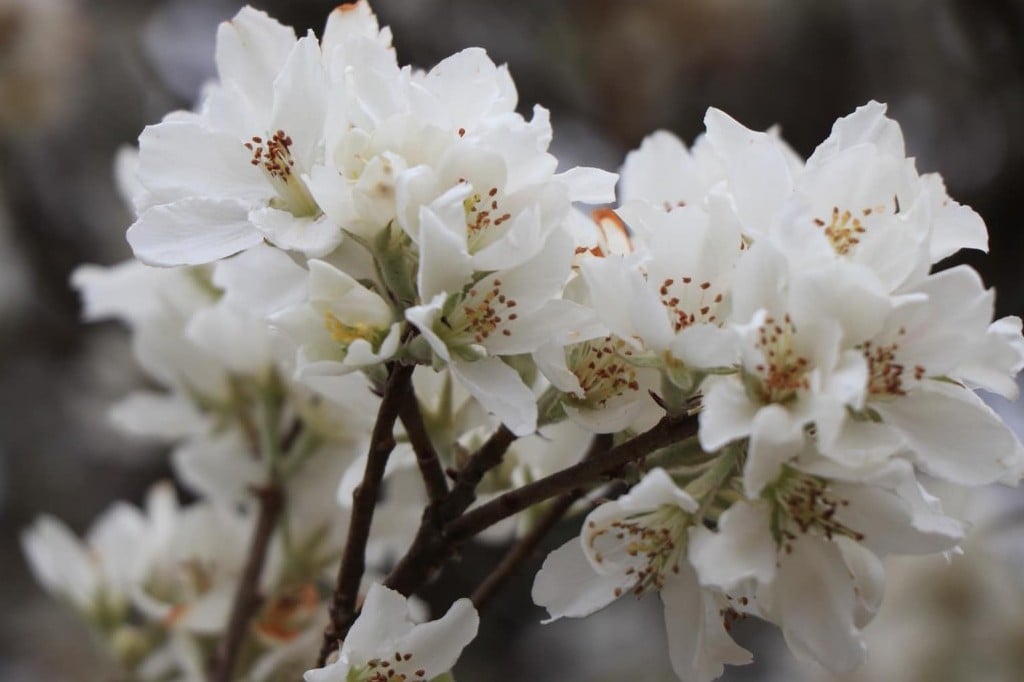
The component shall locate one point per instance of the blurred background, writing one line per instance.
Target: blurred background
(80, 79)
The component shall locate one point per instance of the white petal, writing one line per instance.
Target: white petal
(728, 413)
(251, 50)
(501, 391)
(742, 548)
(383, 620)
(261, 280)
(660, 171)
(568, 586)
(192, 232)
(697, 640)
(776, 437)
(445, 265)
(589, 185)
(168, 416)
(312, 236)
(816, 603)
(757, 168)
(953, 433)
(300, 102)
(436, 645)
(181, 159)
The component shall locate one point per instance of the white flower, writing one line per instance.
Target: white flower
(94, 575)
(639, 543)
(343, 327)
(191, 560)
(470, 321)
(671, 297)
(938, 335)
(798, 362)
(809, 550)
(220, 180)
(385, 644)
(603, 391)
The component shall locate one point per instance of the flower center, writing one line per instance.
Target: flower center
(483, 214)
(602, 370)
(783, 370)
(182, 585)
(387, 670)
(345, 334)
(654, 544)
(484, 311)
(804, 504)
(689, 302)
(886, 376)
(274, 157)
(844, 228)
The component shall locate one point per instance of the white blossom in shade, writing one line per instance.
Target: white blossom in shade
(602, 391)
(191, 560)
(94, 574)
(810, 549)
(671, 297)
(858, 198)
(950, 226)
(798, 362)
(385, 644)
(638, 543)
(343, 327)
(938, 338)
(470, 322)
(222, 179)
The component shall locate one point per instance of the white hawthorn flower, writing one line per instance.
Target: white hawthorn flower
(672, 297)
(810, 549)
(638, 543)
(343, 327)
(385, 644)
(798, 362)
(471, 320)
(95, 574)
(221, 180)
(938, 337)
(191, 560)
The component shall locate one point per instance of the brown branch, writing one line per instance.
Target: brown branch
(670, 429)
(412, 570)
(426, 455)
(522, 550)
(431, 548)
(247, 597)
(364, 501)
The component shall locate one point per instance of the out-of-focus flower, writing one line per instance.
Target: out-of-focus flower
(384, 643)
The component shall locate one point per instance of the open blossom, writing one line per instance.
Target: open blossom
(344, 326)
(94, 575)
(639, 543)
(809, 551)
(385, 644)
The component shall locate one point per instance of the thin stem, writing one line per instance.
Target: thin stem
(522, 550)
(436, 541)
(426, 455)
(364, 501)
(488, 456)
(669, 430)
(247, 598)
(419, 561)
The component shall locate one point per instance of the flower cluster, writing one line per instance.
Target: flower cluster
(798, 302)
(331, 243)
